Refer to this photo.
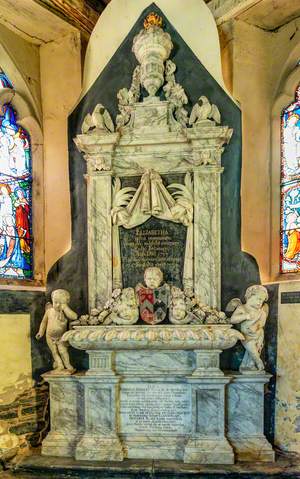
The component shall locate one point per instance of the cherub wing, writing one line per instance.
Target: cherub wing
(215, 114)
(266, 309)
(108, 121)
(194, 114)
(48, 306)
(232, 305)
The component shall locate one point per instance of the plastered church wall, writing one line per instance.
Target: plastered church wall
(263, 83)
(48, 79)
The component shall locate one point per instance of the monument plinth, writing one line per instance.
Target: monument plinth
(154, 333)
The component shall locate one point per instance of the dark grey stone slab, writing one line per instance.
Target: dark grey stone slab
(50, 467)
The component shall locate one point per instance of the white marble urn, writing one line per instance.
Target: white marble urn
(152, 47)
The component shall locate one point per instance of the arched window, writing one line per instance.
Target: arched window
(290, 187)
(15, 194)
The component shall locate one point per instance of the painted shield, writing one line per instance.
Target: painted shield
(153, 303)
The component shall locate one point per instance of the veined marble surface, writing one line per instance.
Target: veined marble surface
(99, 233)
(245, 416)
(151, 134)
(136, 414)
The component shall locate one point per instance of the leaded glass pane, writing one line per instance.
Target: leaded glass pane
(15, 198)
(290, 187)
(291, 141)
(290, 228)
(4, 80)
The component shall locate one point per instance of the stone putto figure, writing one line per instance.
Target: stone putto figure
(55, 324)
(122, 308)
(203, 112)
(252, 317)
(185, 308)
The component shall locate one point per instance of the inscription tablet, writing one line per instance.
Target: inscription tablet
(290, 297)
(154, 243)
(154, 408)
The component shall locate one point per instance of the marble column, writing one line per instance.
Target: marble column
(99, 238)
(245, 416)
(100, 441)
(207, 443)
(66, 416)
(207, 253)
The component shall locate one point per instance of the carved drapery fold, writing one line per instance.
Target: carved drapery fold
(152, 198)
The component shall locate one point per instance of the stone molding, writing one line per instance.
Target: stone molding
(206, 337)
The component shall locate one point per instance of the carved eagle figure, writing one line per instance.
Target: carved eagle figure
(203, 110)
(100, 119)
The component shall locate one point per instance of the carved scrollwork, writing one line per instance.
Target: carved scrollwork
(176, 96)
(127, 99)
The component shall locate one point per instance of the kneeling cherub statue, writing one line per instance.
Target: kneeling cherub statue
(55, 324)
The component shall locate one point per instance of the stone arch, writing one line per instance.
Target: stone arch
(288, 82)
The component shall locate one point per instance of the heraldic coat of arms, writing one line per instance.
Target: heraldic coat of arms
(154, 299)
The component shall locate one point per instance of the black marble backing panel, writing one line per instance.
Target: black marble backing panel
(270, 356)
(238, 269)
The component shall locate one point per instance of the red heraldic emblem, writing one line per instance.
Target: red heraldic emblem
(153, 303)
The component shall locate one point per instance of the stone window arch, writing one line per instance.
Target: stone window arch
(290, 187)
(284, 232)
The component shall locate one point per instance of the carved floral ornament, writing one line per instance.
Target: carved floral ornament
(132, 207)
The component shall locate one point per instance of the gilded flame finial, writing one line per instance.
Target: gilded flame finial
(153, 19)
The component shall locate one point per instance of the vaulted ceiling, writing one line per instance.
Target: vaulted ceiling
(266, 14)
(35, 22)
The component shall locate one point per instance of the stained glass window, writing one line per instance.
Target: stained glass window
(15, 198)
(4, 80)
(290, 187)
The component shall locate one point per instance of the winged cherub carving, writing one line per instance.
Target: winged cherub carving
(252, 317)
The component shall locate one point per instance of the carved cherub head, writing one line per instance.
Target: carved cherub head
(128, 297)
(59, 298)
(256, 295)
(179, 308)
(153, 277)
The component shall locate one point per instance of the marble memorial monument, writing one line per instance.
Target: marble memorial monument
(154, 331)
